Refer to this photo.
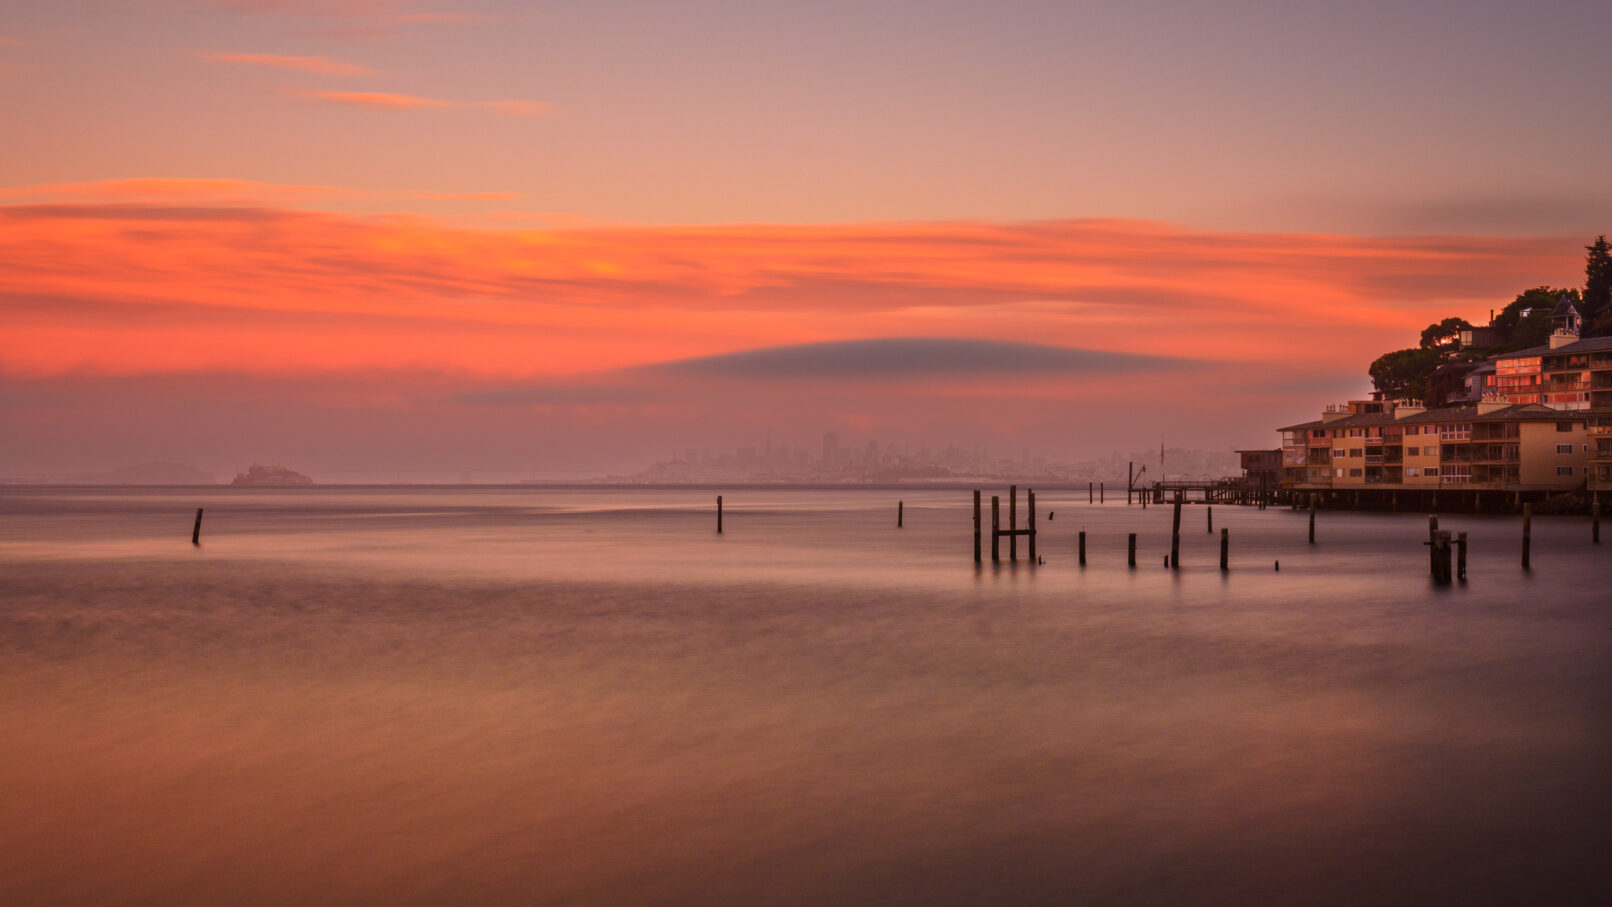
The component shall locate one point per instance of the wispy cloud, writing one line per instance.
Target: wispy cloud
(319, 65)
(374, 100)
(909, 357)
(516, 108)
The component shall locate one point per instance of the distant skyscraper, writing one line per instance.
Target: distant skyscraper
(831, 443)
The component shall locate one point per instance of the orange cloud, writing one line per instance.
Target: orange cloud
(375, 100)
(319, 65)
(193, 286)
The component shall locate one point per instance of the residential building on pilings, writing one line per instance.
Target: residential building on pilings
(1488, 446)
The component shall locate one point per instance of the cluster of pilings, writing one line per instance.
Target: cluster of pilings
(1013, 531)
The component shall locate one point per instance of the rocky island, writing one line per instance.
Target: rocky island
(271, 475)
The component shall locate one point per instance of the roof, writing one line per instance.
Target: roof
(1564, 305)
(1517, 412)
(1587, 345)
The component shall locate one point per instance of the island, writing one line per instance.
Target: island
(271, 475)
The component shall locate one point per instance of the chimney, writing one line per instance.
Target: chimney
(1562, 338)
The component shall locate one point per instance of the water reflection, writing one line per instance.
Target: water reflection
(534, 695)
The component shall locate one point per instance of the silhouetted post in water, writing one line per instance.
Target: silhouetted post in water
(1090, 494)
(1209, 517)
(1439, 545)
(718, 514)
(1595, 522)
(1312, 518)
(1175, 534)
(1432, 549)
(976, 525)
(195, 534)
(1102, 496)
(1432, 525)
(1460, 557)
(1029, 500)
(1225, 549)
(1013, 522)
(1527, 532)
(996, 528)
(1130, 479)
(1130, 551)
(1082, 547)
(900, 507)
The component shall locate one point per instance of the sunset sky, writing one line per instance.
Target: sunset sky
(369, 238)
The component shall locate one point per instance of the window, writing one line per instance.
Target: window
(1564, 470)
(1357, 452)
(1564, 426)
(1413, 451)
(1337, 473)
(1430, 471)
(1564, 448)
(1337, 452)
(1355, 473)
(1410, 429)
(1412, 472)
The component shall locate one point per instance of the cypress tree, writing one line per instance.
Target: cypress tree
(1597, 280)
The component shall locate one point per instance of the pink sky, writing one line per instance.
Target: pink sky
(346, 234)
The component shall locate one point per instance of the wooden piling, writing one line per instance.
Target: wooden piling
(1595, 522)
(1013, 522)
(718, 514)
(1029, 502)
(1312, 518)
(976, 525)
(1102, 496)
(1209, 517)
(1460, 557)
(1527, 532)
(1130, 480)
(1225, 549)
(195, 534)
(1091, 495)
(1130, 548)
(1439, 546)
(996, 528)
(1175, 534)
(901, 506)
(1082, 547)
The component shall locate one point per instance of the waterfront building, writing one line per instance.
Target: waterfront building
(1488, 446)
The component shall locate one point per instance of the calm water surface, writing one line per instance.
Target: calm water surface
(528, 695)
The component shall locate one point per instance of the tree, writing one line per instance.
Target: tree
(1520, 330)
(1444, 334)
(1597, 281)
(1403, 373)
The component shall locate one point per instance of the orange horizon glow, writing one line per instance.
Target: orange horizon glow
(144, 276)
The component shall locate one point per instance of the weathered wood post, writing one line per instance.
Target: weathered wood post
(901, 506)
(1130, 479)
(976, 525)
(1595, 522)
(1013, 522)
(1439, 544)
(1312, 518)
(1029, 502)
(1130, 548)
(1175, 534)
(996, 528)
(718, 514)
(1460, 557)
(195, 534)
(1225, 549)
(1209, 517)
(1432, 550)
(1527, 532)
(1102, 496)
(1082, 547)
(1091, 493)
